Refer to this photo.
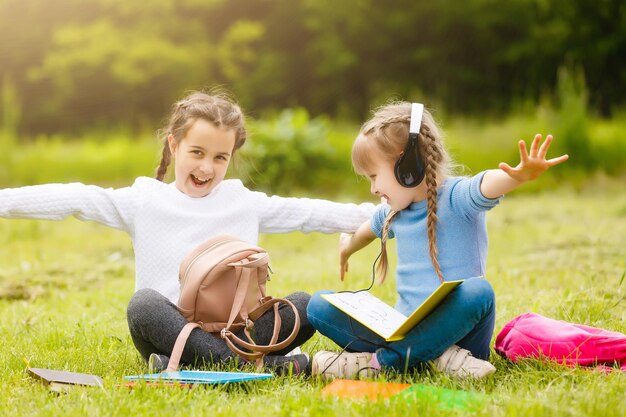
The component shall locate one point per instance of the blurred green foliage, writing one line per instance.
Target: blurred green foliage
(83, 82)
(114, 161)
(80, 64)
(573, 126)
(290, 152)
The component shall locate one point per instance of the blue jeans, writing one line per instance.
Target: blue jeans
(465, 318)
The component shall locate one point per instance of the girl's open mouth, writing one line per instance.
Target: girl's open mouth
(199, 181)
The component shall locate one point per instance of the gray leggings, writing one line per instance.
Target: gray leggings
(155, 322)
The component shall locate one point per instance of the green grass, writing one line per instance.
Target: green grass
(64, 287)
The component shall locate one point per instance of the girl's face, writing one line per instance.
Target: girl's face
(383, 184)
(201, 157)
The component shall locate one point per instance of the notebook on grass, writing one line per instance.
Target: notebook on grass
(62, 381)
(383, 319)
(199, 377)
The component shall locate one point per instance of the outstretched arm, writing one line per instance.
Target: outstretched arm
(497, 182)
(111, 207)
(288, 214)
(348, 244)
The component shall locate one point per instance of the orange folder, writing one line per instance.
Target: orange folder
(362, 389)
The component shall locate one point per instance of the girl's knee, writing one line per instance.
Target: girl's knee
(317, 305)
(300, 299)
(478, 292)
(317, 302)
(145, 299)
(478, 288)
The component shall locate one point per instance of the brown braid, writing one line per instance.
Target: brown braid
(165, 161)
(430, 158)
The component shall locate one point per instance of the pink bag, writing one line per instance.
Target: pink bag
(532, 335)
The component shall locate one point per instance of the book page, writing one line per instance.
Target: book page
(368, 310)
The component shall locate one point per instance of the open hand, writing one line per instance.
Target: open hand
(532, 164)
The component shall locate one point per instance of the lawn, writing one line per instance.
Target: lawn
(64, 287)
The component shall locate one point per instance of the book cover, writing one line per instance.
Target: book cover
(200, 377)
(383, 319)
(62, 381)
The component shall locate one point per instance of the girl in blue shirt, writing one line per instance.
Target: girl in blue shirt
(438, 222)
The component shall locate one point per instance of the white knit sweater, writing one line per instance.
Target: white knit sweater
(165, 224)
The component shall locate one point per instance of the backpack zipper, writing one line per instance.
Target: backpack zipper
(199, 255)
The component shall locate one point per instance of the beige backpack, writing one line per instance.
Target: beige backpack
(222, 290)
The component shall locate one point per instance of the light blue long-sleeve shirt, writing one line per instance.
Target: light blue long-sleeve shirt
(461, 239)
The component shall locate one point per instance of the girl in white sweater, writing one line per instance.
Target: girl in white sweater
(167, 221)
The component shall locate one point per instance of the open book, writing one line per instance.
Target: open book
(383, 319)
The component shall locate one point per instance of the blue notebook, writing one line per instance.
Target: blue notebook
(199, 377)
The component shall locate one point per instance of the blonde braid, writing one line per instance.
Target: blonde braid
(403, 118)
(383, 264)
(431, 156)
(382, 126)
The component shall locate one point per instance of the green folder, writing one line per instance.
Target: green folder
(444, 398)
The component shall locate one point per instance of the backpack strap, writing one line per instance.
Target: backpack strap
(177, 352)
(277, 323)
(227, 335)
(261, 350)
(252, 261)
(245, 267)
(240, 294)
(231, 339)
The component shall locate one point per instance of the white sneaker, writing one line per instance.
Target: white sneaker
(460, 363)
(343, 365)
(298, 351)
(157, 363)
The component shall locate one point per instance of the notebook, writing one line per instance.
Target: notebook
(383, 319)
(199, 377)
(62, 381)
